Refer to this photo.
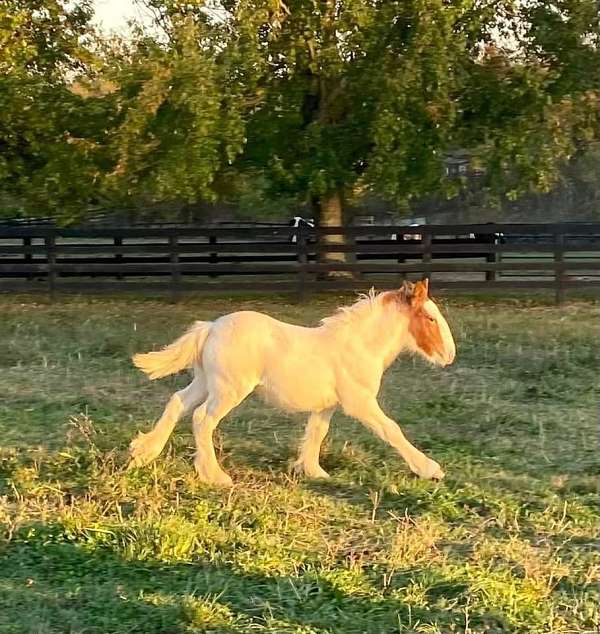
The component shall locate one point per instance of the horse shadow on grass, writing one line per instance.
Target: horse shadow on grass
(53, 585)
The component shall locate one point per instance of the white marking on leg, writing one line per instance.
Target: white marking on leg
(368, 412)
(316, 430)
(205, 420)
(147, 447)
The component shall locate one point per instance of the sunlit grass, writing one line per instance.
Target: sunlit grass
(507, 543)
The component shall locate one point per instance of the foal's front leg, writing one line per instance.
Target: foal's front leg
(316, 430)
(366, 409)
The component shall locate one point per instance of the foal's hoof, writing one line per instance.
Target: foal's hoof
(313, 473)
(221, 481)
(317, 474)
(430, 470)
(438, 475)
(213, 478)
(142, 450)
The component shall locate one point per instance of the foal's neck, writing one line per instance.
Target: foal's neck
(386, 334)
(380, 326)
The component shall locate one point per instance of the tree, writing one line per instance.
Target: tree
(322, 97)
(49, 135)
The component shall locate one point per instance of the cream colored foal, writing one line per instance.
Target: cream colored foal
(314, 370)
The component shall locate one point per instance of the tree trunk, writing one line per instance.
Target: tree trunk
(329, 212)
(317, 108)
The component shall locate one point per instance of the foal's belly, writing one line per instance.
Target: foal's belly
(291, 403)
(306, 390)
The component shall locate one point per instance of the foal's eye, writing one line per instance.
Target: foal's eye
(430, 319)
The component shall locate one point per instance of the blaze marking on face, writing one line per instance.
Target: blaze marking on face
(426, 332)
(428, 328)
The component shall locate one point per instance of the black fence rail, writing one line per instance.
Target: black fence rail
(178, 259)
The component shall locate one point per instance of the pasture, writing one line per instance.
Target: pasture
(508, 542)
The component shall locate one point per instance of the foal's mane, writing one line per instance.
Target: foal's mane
(345, 315)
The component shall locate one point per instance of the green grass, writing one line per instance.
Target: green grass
(507, 543)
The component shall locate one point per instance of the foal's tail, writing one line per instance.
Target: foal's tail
(181, 354)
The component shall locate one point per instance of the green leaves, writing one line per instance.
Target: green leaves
(181, 109)
(48, 134)
(310, 98)
(42, 37)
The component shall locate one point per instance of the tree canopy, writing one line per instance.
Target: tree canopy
(315, 99)
(49, 135)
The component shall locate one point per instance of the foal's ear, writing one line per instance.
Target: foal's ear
(414, 295)
(406, 293)
(421, 292)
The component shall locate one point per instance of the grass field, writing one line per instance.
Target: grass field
(508, 542)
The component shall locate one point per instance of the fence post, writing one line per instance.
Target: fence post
(426, 259)
(559, 266)
(302, 252)
(50, 242)
(175, 270)
(491, 257)
(118, 256)
(399, 238)
(213, 257)
(28, 255)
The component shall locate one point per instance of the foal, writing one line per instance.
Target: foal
(314, 370)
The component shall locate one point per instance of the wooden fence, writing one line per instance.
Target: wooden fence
(487, 257)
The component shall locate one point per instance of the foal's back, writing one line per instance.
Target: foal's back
(291, 366)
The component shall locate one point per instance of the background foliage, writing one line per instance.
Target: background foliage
(314, 101)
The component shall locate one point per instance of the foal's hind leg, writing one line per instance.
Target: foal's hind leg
(146, 447)
(205, 420)
(316, 430)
